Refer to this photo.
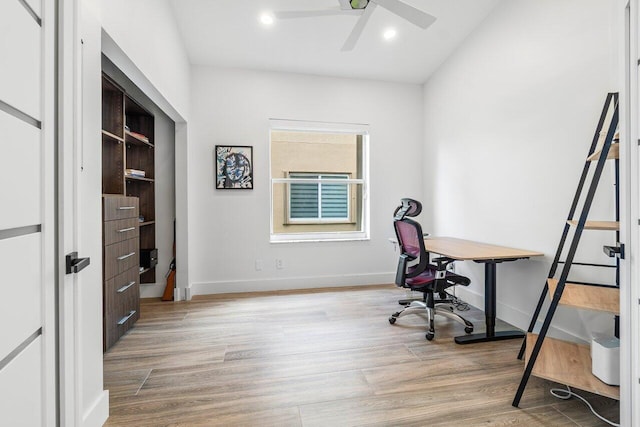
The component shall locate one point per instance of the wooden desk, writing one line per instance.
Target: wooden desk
(489, 255)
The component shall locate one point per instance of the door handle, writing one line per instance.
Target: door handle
(75, 264)
(614, 251)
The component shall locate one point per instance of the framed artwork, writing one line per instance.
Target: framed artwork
(234, 167)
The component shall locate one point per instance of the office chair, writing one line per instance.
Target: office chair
(416, 272)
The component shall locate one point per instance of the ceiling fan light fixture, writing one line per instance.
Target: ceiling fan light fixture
(389, 34)
(267, 19)
(364, 9)
(359, 4)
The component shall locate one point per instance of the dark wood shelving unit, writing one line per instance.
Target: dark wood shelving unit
(140, 155)
(138, 178)
(128, 143)
(133, 139)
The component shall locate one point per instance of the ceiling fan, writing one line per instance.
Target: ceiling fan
(364, 8)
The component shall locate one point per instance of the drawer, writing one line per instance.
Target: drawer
(127, 313)
(121, 297)
(119, 207)
(122, 293)
(118, 322)
(120, 257)
(116, 288)
(127, 321)
(119, 230)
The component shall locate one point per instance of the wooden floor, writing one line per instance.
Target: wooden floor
(320, 358)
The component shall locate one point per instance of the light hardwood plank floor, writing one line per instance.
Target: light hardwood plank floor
(324, 357)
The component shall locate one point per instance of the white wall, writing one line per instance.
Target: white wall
(146, 32)
(509, 119)
(229, 230)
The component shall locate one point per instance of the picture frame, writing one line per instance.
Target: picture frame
(234, 167)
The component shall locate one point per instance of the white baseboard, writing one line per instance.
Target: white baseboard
(289, 283)
(513, 316)
(98, 413)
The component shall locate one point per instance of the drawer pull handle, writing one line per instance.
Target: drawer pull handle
(126, 318)
(125, 287)
(126, 208)
(124, 230)
(123, 257)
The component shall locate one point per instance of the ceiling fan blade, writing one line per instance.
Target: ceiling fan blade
(293, 14)
(410, 13)
(358, 28)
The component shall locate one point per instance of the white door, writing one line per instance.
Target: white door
(630, 215)
(83, 402)
(50, 320)
(27, 221)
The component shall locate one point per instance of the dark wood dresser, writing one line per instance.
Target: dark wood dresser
(121, 269)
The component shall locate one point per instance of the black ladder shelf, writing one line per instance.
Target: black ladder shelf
(554, 359)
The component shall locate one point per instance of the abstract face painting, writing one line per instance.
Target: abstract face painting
(234, 167)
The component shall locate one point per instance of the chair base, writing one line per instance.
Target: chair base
(443, 309)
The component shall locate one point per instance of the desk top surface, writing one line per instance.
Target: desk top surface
(461, 249)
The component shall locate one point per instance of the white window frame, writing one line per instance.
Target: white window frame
(324, 127)
(319, 181)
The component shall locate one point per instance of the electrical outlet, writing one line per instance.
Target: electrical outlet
(279, 264)
(259, 265)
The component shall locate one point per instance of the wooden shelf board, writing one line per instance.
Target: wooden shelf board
(132, 139)
(142, 224)
(111, 135)
(138, 178)
(614, 153)
(146, 269)
(568, 363)
(597, 225)
(600, 298)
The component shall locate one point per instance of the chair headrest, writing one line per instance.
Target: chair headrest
(408, 207)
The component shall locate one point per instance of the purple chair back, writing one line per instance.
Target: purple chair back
(409, 237)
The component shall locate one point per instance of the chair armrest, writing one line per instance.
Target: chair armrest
(442, 262)
(401, 270)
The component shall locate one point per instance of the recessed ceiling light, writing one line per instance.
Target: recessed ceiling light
(389, 34)
(266, 19)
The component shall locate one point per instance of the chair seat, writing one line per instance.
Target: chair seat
(426, 277)
(427, 281)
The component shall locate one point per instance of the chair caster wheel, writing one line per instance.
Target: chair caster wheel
(468, 329)
(430, 336)
(392, 320)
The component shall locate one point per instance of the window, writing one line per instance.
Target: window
(324, 200)
(318, 181)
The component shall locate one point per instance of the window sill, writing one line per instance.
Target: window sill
(316, 222)
(318, 237)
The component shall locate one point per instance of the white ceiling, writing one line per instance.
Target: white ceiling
(228, 33)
